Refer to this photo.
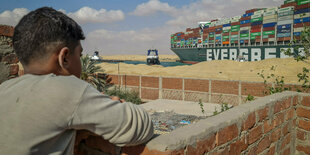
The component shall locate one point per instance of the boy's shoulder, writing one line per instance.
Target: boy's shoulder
(45, 82)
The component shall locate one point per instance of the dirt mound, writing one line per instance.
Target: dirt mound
(219, 69)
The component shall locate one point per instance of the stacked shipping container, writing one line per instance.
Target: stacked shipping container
(256, 26)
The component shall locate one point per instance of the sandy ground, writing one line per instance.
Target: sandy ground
(181, 107)
(139, 57)
(220, 70)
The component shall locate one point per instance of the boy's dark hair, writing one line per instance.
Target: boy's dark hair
(41, 32)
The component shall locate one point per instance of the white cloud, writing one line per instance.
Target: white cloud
(137, 42)
(90, 15)
(152, 7)
(12, 17)
(82, 16)
(205, 10)
(128, 42)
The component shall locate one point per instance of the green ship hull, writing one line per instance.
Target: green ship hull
(249, 53)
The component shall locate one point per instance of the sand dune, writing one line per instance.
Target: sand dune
(220, 69)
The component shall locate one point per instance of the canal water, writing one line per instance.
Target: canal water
(165, 64)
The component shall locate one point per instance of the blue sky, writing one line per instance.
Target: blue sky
(132, 26)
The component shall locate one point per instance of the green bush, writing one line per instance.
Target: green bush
(128, 96)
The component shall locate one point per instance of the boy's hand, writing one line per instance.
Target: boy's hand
(116, 98)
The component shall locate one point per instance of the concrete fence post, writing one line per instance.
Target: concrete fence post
(160, 88)
(121, 79)
(210, 88)
(240, 93)
(183, 89)
(140, 86)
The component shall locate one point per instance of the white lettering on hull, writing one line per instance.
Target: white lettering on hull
(233, 54)
(270, 53)
(224, 54)
(256, 54)
(250, 54)
(209, 54)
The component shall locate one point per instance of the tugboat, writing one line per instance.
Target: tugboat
(95, 56)
(152, 57)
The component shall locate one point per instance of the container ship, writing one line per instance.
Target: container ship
(258, 34)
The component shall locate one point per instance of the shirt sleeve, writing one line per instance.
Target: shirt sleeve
(119, 123)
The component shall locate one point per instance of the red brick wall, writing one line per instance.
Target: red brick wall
(268, 126)
(7, 31)
(152, 82)
(254, 89)
(225, 87)
(9, 60)
(231, 92)
(114, 79)
(131, 80)
(172, 83)
(196, 85)
(303, 126)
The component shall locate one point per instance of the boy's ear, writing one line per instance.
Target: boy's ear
(63, 59)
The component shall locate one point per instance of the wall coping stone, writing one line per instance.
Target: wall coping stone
(189, 135)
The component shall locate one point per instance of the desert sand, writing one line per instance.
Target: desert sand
(220, 69)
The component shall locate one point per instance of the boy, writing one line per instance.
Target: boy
(41, 111)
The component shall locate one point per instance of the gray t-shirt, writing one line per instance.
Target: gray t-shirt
(40, 115)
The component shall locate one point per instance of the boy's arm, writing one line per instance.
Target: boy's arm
(119, 123)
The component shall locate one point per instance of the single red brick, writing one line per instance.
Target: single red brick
(285, 129)
(190, 150)
(250, 121)
(301, 135)
(279, 119)
(295, 100)
(305, 149)
(290, 114)
(238, 146)
(306, 101)
(14, 69)
(207, 145)
(302, 112)
(255, 134)
(286, 152)
(276, 135)
(252, 151)
(304, 124)
(286, 141)
(10, 58)
(263, 144)
(281, 105)
(227, 134)
(272, 150)
(263, 113)
(6, 30)
(268, 126)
